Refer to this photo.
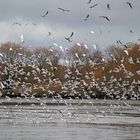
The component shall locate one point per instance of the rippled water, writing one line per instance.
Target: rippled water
(69, 120)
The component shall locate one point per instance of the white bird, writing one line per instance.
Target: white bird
(85, 45)
(10, 49)
(126, 52)
(67, 61)
(21, 38)
(103, 59)
(84, 54)
(1, 55)
(51, 50)
(78, 44)
(95, 47)
(92, 32)
(76, 54)
(55, 44)
(1, 85)
(20, 54)
(62, 49)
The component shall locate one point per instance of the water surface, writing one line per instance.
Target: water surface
(69, 120)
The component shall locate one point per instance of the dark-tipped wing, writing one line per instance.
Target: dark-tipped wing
(108, 6)
(64, 10)
(71, 34)
(46, 13)
(87, 17)
(105, 17)
(89, 2)
(130, 5)
(93, 6)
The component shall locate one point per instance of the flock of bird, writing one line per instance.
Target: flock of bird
(92, 6)
(69, 39)
(74, 78)
(36, 59)
(72, 86)
(88, 15)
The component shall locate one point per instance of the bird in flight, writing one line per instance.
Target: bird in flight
(86, 17)
(46, 13)
(71, 34)
(64, 10)
(16, 23)
(93, 5)
(69, 38)
(119, 42)
(131, 31)
(89, 2)
(125, 51)
(49, 34)
(108, 7)
(21, 38)
(130, 4)
(105, 17)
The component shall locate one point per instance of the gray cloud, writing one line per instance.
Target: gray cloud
(123, 19)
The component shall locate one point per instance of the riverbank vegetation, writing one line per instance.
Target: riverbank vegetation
(81, 71)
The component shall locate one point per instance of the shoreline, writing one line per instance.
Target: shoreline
(64, 102)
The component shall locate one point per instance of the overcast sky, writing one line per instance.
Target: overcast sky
(35, 28)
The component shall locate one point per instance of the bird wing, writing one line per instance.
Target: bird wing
(87, 17)
(68, 39)
(45, 14)
(71, 34)
(61, 9)
(89, 2)
(108, 6)
(93, 5)
(130, 5)
(107, 18)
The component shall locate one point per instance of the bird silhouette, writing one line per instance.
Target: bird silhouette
(125, 51)
(71, 34)
(17, 23)
(93, 6)
(108, 7)
(46, 13)
(119, 42)
(49, 33)
(131, 31)
(21, 38)
(86, 17)
(69, 38)
(89, 2)
(64, 10)
(130, 4)
(105, 17)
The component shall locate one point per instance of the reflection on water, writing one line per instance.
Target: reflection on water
(70, 120)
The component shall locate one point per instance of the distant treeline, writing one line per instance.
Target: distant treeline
(81, 71)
